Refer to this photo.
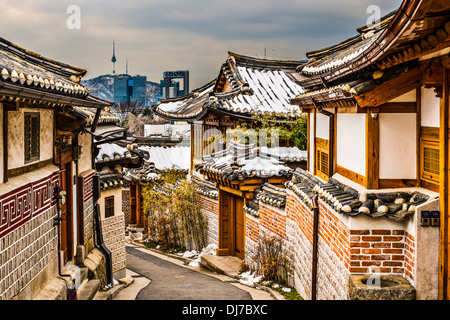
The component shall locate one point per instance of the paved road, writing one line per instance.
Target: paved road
(171, 280)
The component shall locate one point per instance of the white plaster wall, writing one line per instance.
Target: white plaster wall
(85, 161)
(16, 128)
(397, 145)
(351, 142)
(117, 193)
(46, 126)
(323, 126)
(407, 97)
(430, 105)
(311, 143)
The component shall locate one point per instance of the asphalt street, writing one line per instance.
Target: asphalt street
(158, 277)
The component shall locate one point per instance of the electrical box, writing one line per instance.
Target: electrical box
(435, 215)
(425, 219)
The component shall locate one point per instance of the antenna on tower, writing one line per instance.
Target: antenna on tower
(113, 59)
(126, 71)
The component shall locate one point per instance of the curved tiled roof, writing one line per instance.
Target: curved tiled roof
(24, 73)
(245, 86)
(239, 162)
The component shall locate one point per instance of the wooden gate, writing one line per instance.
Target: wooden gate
(231, 225)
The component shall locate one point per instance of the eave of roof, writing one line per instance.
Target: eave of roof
(29, 77)
(413, 22)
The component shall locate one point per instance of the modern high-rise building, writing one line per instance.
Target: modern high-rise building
(128, 88)
(140, 89)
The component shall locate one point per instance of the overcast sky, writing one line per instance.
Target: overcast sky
(167, 35)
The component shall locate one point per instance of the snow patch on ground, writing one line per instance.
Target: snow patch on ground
(209, 250)
(250, 279)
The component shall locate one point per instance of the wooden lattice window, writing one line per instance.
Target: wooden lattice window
(32, 137)
(429, 161)
(322, 159)
(109, 206)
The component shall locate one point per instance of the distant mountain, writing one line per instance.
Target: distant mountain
(105, 85)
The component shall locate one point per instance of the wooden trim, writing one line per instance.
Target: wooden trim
(353, 176)
(398, 183)
(28, 168)
(231, 190)
(418, 129)
(398, 107)
(444, 189)
(372, 151)
(429, 133)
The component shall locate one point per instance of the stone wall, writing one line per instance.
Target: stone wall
(114, 238)
(126, 205)
(343, 249)
(28, 237)
(210, 209)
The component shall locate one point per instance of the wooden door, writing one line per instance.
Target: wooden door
(225, 211)
(66, 206)
(239, 227)
(231, 225)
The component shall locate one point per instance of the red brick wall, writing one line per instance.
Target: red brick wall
(208, 204)
(272, 220)
(382, 250)
(252, 228)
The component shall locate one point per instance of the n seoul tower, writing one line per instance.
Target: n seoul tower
(113, 59)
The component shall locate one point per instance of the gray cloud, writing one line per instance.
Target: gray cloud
(156, 36)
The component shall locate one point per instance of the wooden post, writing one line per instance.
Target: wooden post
(372, 149)
(314, 171)
(444, 189)
(308, 142)
(191, 168)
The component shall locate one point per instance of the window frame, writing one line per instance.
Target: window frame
(424, 175)
(322, 149)
(109, 207)
(32, 139)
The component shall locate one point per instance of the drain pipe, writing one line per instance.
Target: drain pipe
(315, 248)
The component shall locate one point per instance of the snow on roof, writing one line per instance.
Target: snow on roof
(112, 151)
(166, 158)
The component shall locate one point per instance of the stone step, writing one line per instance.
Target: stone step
(227, 265)
(88, 289)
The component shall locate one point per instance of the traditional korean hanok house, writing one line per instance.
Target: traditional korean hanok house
(378, 150)
(110, 159)
(238, 173)
(245, 88)
(46, 173)
(158, 161)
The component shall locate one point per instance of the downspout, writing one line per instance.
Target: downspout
(315, 248)
(5, 143)
(99, 244)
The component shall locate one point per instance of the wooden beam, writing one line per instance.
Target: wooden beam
(418, 131)
(353, 176)
(391, 89)
(398, 107)
(444, 189)
(372, 151)
(398, 183)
